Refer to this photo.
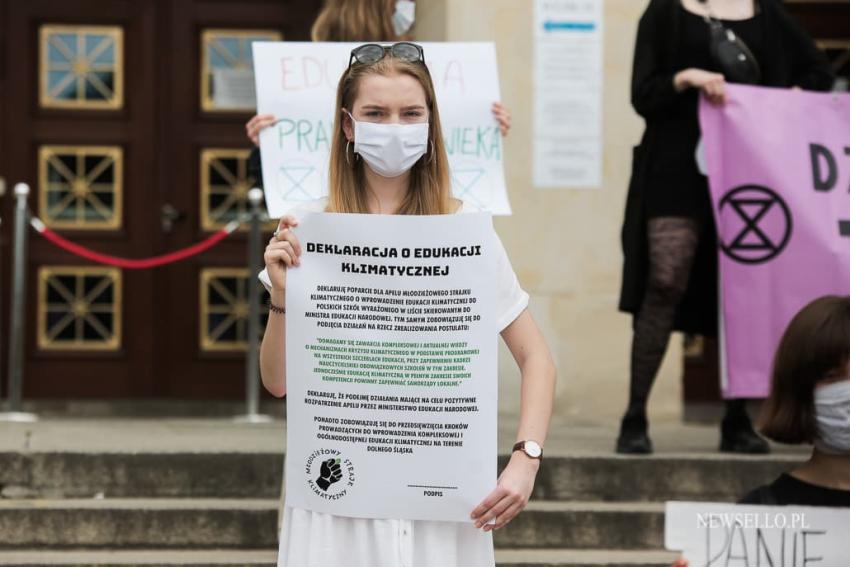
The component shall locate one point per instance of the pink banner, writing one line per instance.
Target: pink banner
(779, 173)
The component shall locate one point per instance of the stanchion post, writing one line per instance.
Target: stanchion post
(252, 359)
(16, 322)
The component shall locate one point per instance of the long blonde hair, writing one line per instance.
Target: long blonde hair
(429, 190)
(355, 20)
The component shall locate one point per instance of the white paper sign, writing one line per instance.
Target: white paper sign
(729, 535)
(297, 82)
(568, 93)
(391, 366)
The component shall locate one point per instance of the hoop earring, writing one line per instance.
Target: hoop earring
(347, 146)
(431, 157)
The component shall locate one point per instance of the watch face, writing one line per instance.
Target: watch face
(532, 449)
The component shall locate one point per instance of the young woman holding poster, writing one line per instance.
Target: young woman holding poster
(809, 402)
(684, 49)
(388, 157)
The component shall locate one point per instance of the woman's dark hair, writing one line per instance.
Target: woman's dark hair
(815, 345)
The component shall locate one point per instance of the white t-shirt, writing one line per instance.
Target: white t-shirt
(313, 539)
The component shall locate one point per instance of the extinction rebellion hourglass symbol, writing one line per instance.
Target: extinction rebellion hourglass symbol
(757, 224)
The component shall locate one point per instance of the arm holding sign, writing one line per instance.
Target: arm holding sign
(503, 117)
(282, 252)
(256, 124)
(516, 482)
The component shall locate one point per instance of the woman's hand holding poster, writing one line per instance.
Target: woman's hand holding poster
(391, 366)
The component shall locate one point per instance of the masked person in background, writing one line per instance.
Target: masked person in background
(684, 49)
(809, 402)
(388, 157)
(356, 20)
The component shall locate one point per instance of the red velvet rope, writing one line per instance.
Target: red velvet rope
(126, 263)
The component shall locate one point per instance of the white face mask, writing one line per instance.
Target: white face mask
(390, 149)
(832, 413)
(403, 17)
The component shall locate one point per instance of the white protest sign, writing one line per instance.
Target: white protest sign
(730, 535)
(391, 366)
(297, 82)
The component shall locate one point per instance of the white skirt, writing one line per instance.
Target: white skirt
(311, 539)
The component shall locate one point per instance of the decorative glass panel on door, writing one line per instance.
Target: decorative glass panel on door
(224, 306)
(224, 188)
(80, 187)
(81, 67)
(227, 68)
(79, 308)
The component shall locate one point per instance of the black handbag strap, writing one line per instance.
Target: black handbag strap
(729, 52)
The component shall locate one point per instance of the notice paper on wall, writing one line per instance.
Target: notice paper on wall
(391, 369)
(568, 47)
(727, 535)
(297, 83)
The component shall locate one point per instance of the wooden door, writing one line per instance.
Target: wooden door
(204, 177)
(5, 190)
(110, 112)
(79, 115)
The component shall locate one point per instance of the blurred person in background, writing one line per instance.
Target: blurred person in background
(683, 51)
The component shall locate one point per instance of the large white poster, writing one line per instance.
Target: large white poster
(727, 535)
(296, 82)
(568, 44)
(391, 366)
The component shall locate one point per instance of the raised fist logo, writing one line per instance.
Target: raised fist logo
(330, 473)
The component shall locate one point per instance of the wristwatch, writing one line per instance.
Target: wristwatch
(532, 449)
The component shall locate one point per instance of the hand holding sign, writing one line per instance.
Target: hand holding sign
(283, 251)
(257, 124)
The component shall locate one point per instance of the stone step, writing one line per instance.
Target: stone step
(252, 524)
(266, 558)
(702, 477)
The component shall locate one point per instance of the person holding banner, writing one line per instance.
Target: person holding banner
(355, 20)
(809, 402)
(388, 157)
(686, 49)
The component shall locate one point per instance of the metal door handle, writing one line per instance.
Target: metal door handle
(168, 216)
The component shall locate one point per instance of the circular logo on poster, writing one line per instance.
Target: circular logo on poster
(756, 223)
(329, 474)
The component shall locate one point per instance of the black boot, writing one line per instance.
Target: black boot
(633, 438)
(736, 431)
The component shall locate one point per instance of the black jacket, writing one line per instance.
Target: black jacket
(794, 61)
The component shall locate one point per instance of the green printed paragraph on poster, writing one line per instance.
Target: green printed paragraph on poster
(390, 362)
(391, 366)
